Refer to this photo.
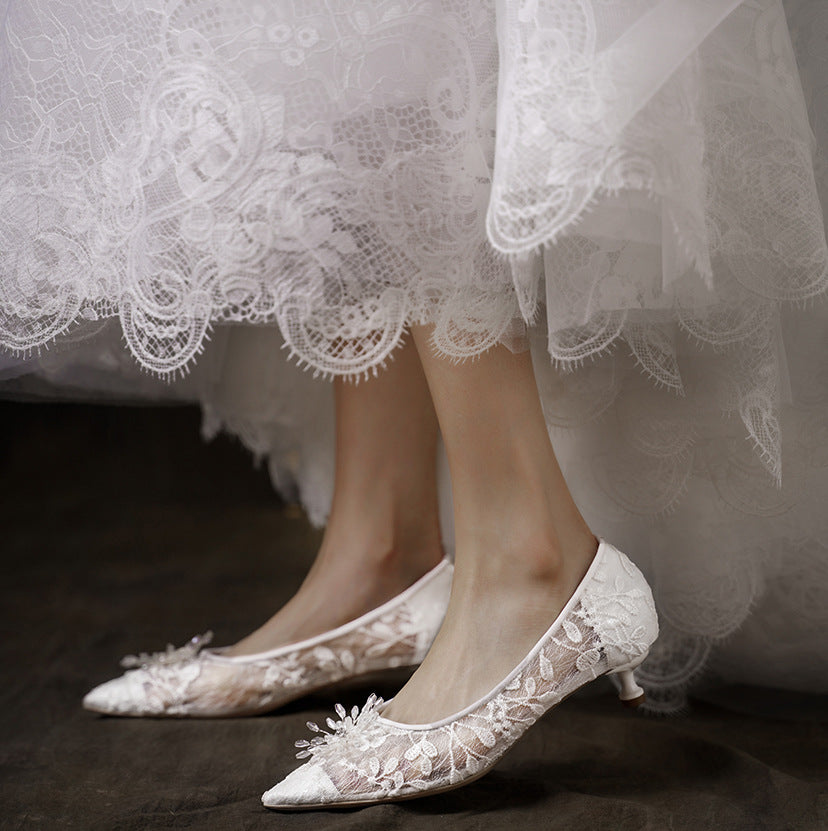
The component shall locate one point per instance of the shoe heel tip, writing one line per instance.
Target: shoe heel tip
(633, 703)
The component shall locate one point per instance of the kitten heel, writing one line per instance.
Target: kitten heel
(631, 694)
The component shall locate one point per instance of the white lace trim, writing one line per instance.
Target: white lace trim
(141, 196)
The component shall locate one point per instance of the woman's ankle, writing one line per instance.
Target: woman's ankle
(539, 557)
(393, 551)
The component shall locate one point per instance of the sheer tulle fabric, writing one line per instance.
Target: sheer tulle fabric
(631, 189)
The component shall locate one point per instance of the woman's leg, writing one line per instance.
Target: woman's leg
(522, 546)
(383, 531)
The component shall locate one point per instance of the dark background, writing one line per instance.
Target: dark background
(121, 531)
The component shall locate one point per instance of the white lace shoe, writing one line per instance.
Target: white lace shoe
(607, 627)
(205, 683)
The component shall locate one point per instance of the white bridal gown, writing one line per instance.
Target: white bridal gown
(206, 189)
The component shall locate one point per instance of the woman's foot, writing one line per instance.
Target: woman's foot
(494, 618)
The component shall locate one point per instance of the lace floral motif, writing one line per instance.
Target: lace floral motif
(217, 178)
(216, 174)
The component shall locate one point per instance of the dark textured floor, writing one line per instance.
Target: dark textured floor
(121, 532)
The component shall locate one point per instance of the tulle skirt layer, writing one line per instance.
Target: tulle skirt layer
(632, 190)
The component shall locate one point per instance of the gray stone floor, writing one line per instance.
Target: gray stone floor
(122, 532)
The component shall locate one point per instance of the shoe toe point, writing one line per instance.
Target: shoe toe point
(117, 697)
(100, 699)
(307, 785)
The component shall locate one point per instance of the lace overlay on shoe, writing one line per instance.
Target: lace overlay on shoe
(193, 681)
(364, 756)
